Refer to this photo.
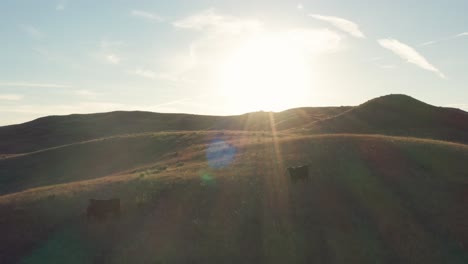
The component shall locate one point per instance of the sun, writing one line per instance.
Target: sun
(266, 73)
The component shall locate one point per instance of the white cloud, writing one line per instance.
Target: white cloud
(146, 15)
(300, 6)
(108, 51)
(222, 33)
(32, 31)
(432, 42)
(10, 97)
(210, 20)
(409, 54)
(113, 58)
(310, 41)
(34, 85)
(342, 24)
(221, 36)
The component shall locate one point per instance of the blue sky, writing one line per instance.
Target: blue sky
(226, 57)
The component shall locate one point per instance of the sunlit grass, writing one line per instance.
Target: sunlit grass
(250, 210)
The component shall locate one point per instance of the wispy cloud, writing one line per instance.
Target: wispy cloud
(32, 31)
(342, 24)
(34, 85)
(146, 15)
(221, 35)
(409, 54)
(432, 42)
(310, 41)
(109, 51)
(10, 97)
(211, 20)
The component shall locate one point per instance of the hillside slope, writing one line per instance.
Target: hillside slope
(92, 159)
(54, 131)
(368, 199)
(398, 115)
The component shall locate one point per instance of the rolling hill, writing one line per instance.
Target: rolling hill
(54, 131)
(388, 183)
(369, 199)
(398, 115)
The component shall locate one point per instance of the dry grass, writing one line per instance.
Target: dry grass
(370, 199)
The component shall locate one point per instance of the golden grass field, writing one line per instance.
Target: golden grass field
(369, 199)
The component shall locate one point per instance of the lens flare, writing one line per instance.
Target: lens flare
(220, 154)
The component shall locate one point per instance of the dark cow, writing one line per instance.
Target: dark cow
(299, 173)
(102, 209)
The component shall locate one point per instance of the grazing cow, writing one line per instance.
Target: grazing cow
(299, 173)
(101, 209)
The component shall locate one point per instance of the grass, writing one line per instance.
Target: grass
(52, 131)
(398, 115)
(214, 190)
(369, 199)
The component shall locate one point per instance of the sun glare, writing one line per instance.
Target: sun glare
(268, 73)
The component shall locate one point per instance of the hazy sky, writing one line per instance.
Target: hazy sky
(226, 57)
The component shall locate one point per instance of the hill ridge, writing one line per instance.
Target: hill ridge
(398, 115)
(61, 130)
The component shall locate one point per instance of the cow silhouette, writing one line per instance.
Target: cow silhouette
(299, 173)
(103, 209)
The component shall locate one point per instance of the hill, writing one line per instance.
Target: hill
(398, 115)
(213, 189)
(389, 115)
(368, 199)
(54, 131)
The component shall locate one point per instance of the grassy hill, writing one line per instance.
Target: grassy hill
(399, 115)
(53, 131)
(390, 115)
(211, 189)
(91, 159)
(369, 199)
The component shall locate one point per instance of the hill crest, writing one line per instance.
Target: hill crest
(54, 131)
(399, 115)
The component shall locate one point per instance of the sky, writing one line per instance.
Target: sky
(226, 57)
